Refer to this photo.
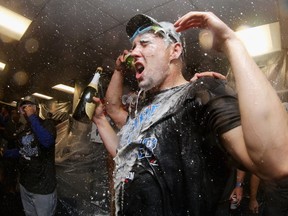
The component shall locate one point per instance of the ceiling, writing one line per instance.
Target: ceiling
(68, 39)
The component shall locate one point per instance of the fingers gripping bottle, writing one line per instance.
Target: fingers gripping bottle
(85, 107)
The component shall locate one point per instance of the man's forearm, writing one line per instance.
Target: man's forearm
(115, 89)
(113, 99)
(107, 134)
(44, 136)
(254, 185)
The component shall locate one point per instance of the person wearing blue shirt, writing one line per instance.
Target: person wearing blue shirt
(36, 152)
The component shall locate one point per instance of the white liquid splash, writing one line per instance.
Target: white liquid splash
(137, 101)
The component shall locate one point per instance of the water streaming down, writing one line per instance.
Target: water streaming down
(137, 100)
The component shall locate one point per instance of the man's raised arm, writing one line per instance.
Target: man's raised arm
(263, 118)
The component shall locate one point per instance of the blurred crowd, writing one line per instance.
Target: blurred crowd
(10, 201)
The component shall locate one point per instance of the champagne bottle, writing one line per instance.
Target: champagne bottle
(85, 107)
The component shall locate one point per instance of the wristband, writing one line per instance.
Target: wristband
(239, 184)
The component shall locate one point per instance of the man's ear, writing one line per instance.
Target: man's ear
(176, 51)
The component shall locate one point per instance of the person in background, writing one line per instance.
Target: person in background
(237, 193)
(36, 152)
(10, 163)
(171, 146)
(254, 202)
(10, 182)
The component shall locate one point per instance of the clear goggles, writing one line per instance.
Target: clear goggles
(156, 29)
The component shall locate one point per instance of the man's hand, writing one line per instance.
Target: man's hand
(254, 206)
(107, 133)
(120, 62)
(206, 20)
(29, 109)
(99, 110)
(209, 74)
(238, 191)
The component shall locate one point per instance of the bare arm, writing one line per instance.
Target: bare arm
(233, 141)
(263, 118)
(107, 133)
(114, 93)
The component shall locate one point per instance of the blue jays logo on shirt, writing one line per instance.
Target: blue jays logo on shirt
(28, 148)
(146, 114)
(133, 128)
(150, 144)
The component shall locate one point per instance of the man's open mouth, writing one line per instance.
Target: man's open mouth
(139, 68)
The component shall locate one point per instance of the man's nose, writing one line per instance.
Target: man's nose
(136, 52)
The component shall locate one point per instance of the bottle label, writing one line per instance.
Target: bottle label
(89, 109)
(85, 108)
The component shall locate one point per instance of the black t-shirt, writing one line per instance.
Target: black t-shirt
(37, 162)
(170, 150)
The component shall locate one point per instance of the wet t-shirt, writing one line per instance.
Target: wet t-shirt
(169, 161)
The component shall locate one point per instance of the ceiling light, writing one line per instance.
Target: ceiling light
(2, 66)
(64, 88)
(42, 96)
(262, 39)
(13, 103)
(12, 24)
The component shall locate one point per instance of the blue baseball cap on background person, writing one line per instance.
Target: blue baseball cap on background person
(30, 99)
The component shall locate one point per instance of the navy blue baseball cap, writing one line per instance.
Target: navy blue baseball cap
(30, 99)
(140, 23)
